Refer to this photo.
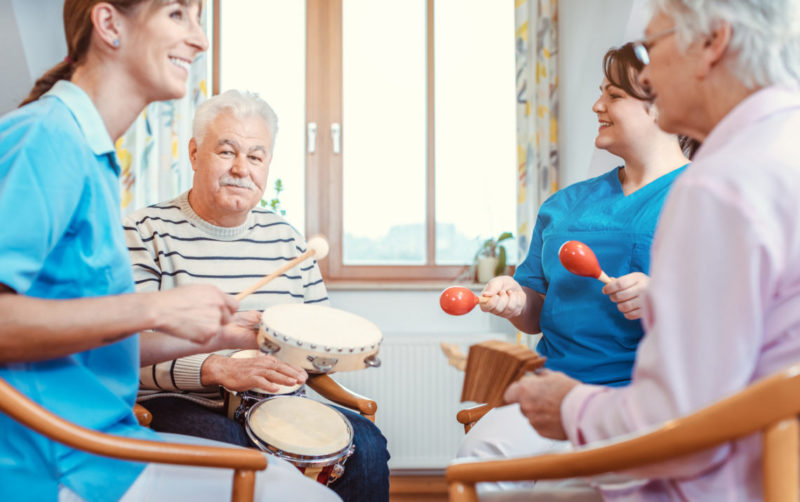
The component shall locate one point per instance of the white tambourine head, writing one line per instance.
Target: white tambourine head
(320, 247)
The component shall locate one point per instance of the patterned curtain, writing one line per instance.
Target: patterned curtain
(537, 111)
(154, 153)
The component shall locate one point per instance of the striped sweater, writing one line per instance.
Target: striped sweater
(170, 245)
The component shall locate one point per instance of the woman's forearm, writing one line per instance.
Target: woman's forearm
(35, 329)
(528, 320)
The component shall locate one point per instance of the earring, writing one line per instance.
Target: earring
(115, 42)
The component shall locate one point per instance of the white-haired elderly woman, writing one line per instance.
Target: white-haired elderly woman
(724, 299)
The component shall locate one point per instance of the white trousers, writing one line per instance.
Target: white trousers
(505, 432)
(281, 481)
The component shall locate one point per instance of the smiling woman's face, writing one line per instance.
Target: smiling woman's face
(624, 121)
(160, 42)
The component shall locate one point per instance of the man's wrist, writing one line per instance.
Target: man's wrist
(209, 370)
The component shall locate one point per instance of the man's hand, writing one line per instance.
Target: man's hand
(194, 313)
(628, 292)
(506, 297)
(539, 397)
(240, 333)
(241, 374)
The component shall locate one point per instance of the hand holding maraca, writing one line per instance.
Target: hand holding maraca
(502, 296)
(579, 259)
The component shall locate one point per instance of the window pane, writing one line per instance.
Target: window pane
(475, 95)
(263, 49)
(383, 132)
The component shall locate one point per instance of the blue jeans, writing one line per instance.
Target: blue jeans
(366, 476)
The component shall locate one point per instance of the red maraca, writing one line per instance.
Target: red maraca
(458, 300)
(579, 259)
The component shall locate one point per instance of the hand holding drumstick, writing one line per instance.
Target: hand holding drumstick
(317, 248)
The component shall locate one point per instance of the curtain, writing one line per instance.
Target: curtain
(537, 111)
(153, 153)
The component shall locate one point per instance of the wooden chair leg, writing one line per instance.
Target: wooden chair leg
(781, 479)
(462, 492)
(244, 485)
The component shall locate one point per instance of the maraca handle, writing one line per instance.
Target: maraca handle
(483, 299)
(604, 278)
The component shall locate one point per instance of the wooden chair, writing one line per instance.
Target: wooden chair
(244, 462)
(769, 406)
(333, 391)
(468, 416)
(324, 385)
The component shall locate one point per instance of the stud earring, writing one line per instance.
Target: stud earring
(115, 42)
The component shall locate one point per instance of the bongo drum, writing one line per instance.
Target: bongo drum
(319, 339)
(314, 437)
(237, 403)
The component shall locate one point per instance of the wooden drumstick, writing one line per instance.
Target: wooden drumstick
(317, 247)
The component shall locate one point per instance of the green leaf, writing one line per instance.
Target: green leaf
(501, 262)
(504, 236)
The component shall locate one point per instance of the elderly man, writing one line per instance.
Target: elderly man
(215, 234)
(724, 302)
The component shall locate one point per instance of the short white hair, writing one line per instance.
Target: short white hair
(765, 38)
(241, 104)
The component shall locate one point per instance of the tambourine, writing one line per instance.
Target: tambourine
(319, 339)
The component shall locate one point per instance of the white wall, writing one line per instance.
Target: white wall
(32, 37)
(587, 29)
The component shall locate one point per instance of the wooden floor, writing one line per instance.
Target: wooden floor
(417, 488)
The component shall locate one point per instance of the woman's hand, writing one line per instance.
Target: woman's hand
(245, 373)
(196, 313)
(628, 292)
(506, 297)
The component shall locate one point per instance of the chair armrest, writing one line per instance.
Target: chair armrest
(764, 405)
(143, 415)
(328, 388)
(33, 416)
(468, 416)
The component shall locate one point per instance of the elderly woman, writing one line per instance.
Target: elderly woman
(69, 315)
(723, 307)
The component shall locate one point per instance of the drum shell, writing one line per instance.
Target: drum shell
(304, 356)
(324, 468)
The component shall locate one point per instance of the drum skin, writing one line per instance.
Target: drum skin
(318, 338)
(312, 436)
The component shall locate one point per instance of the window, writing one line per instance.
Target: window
(403, 116)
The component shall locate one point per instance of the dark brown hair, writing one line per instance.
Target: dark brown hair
(621, 68)
(78, 32)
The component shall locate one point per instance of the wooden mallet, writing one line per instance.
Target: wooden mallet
(317, 248)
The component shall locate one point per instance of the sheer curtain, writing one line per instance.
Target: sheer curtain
(154, 153)
(537, 110)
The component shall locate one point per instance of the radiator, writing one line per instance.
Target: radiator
(417, 393)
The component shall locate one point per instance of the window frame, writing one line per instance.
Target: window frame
(323, 188)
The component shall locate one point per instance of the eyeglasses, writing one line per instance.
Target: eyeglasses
(642, 47)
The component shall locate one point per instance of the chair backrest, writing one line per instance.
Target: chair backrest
(244, 462)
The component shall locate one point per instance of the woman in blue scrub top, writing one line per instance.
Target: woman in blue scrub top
(591, 332)
(67, 304)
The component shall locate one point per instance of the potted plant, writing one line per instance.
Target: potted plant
(490, 259)
(275, 202)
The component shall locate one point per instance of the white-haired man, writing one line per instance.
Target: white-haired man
(724, 302)
(216, 234)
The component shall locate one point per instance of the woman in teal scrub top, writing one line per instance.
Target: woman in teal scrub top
(590, 332)
(68, 311)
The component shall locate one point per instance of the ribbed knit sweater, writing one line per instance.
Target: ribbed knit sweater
(170, 246)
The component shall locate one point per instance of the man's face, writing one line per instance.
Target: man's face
(669, 75)
(230, 164)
